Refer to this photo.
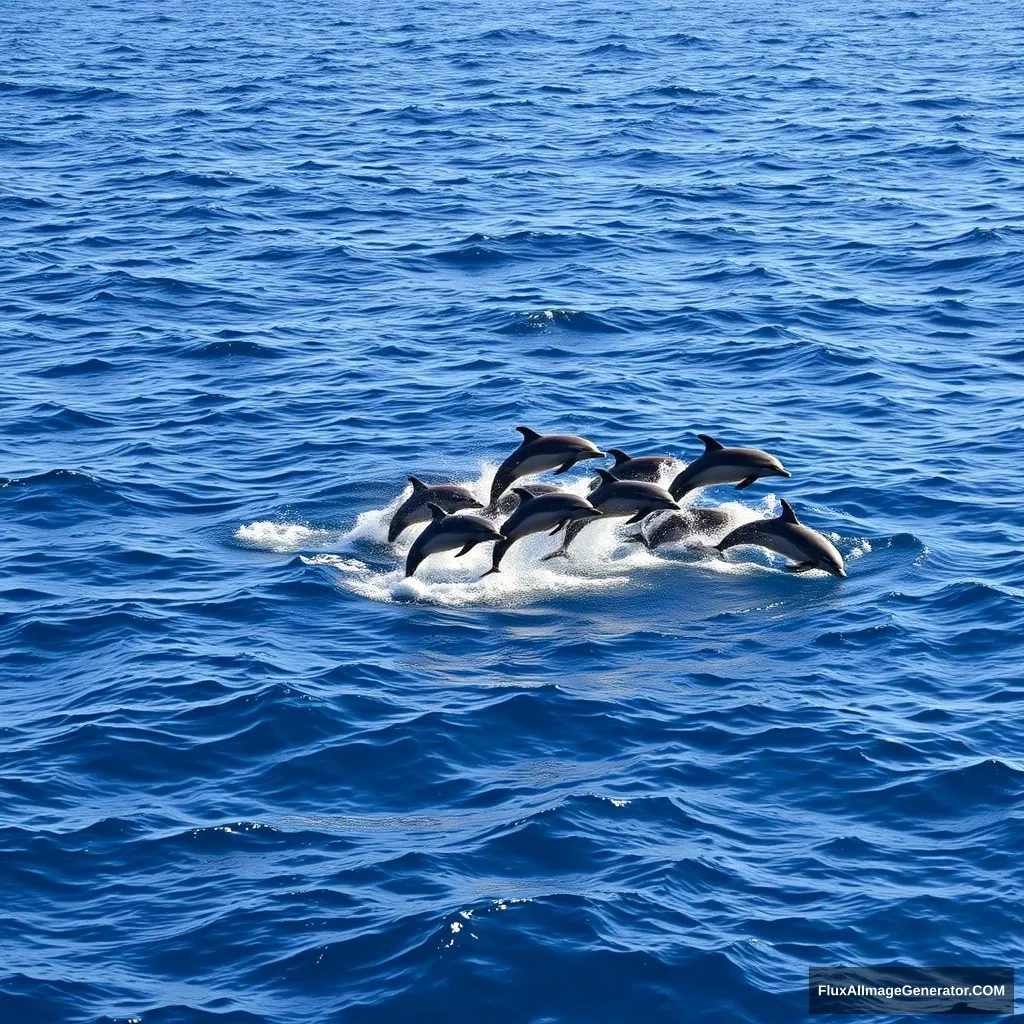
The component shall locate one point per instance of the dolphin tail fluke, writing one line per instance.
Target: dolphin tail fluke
(571, 533)
(560, 553)
(745, 483)
(497, 554)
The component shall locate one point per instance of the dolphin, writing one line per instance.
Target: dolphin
(618, 498)
(538, 513)
(414, 508)
(446, 533)
(721, 465)
(643, 467)
(788, 536)
(510, 500)
(540, 452)
(673, 526)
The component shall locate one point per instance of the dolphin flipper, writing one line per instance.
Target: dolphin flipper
(561, 526)
(469, 547)
(643, 514)
(800, 567)
(745, 483)
(565, 467)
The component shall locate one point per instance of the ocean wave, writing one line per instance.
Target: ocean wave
(567, 319)
(253, 278)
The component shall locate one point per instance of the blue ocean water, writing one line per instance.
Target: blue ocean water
(259, 262)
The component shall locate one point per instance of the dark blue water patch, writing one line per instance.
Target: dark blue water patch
(84, 368)
(38, 492)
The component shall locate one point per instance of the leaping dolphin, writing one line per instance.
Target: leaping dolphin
(446, 533)
(618, 498)
(414, 508)
(538, 453)
(538, 513)
(673, 526)
(721, 465)
(787, 536)
(644, 467)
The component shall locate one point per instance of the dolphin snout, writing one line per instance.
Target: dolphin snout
(783, 472)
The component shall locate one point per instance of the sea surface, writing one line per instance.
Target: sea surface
(259, 262)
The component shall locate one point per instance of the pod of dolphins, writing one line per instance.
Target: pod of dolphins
(625, 491)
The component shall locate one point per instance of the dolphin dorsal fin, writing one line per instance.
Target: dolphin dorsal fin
(710, 444)
(524, 494)
(606, 477)
(528, 434)
(620, 456)
(417, 484)
(788, 515)
(436, 512)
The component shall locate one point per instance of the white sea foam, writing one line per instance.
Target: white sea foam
(283, 537)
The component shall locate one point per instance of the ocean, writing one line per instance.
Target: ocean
(261, 262)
